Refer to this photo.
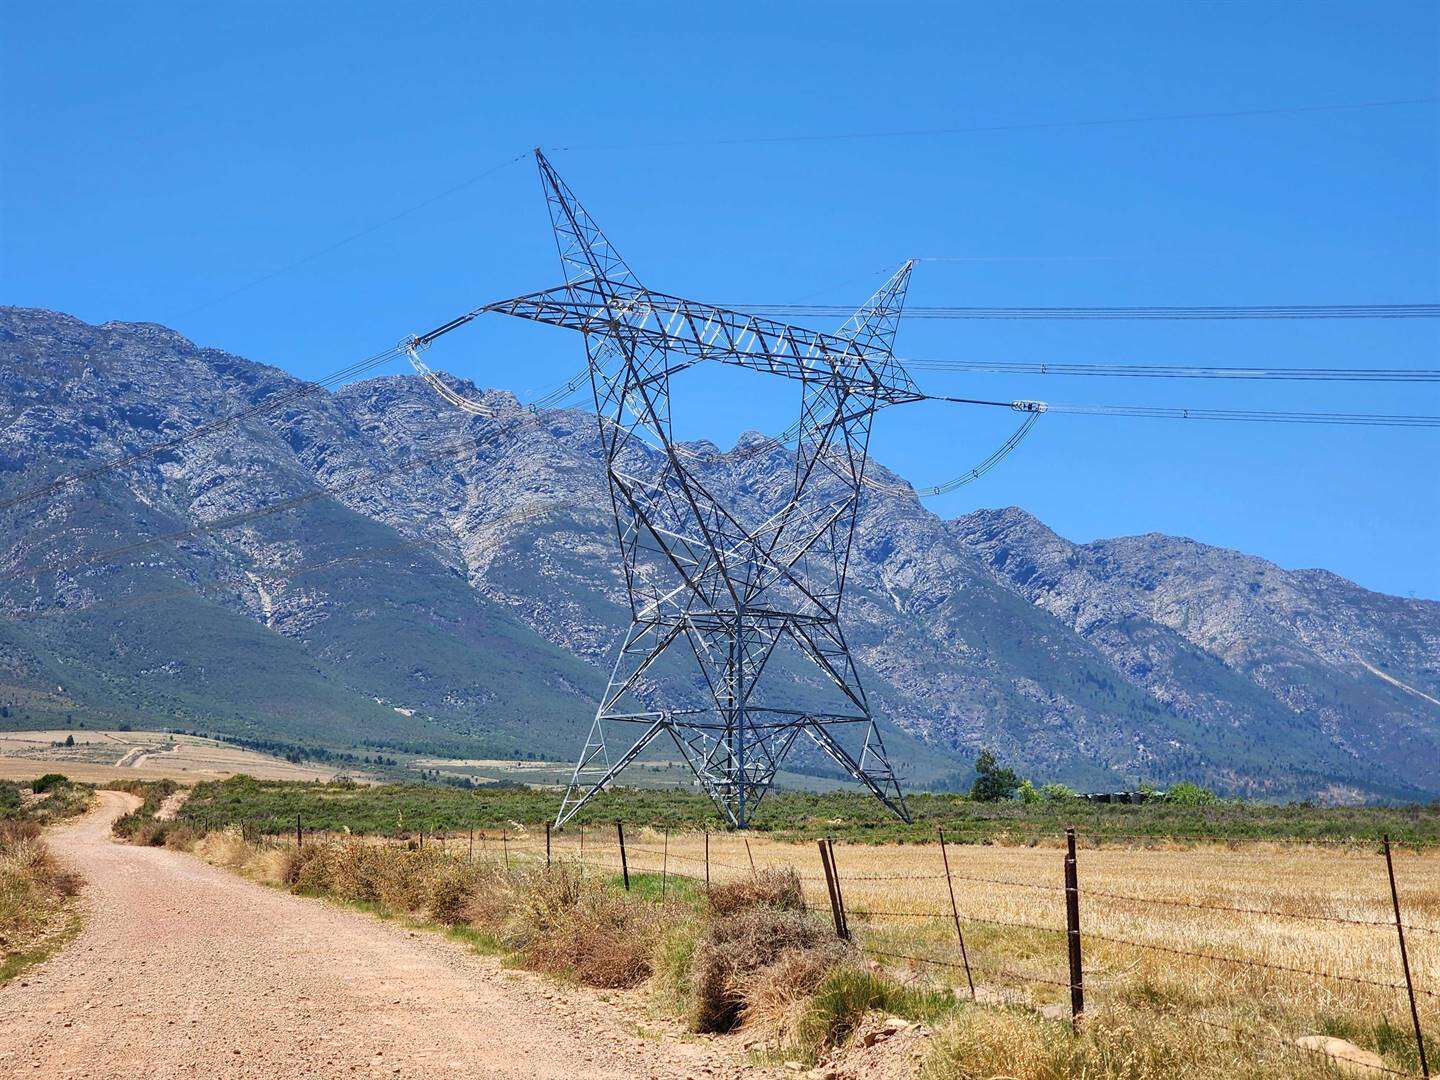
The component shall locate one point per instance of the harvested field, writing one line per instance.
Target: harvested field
(102, 756)
(1261, 943)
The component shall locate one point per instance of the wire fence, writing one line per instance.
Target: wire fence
(913, 917)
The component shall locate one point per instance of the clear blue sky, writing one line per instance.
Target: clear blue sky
(158, 156)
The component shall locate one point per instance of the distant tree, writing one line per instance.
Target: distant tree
(992, 782)
(69, 740)
(1056, 793)
(1027, 793)
(1188, 794)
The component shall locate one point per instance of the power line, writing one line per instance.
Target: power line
(1216, 312)
(1179, 371)
(351, 238)
(1277, 416)
(1249, 416)
(975, 129)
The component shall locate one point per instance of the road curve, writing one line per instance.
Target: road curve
(186, 970)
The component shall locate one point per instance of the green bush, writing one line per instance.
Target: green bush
(42, 784)
(1188, 794)
(843, 998)
(993, 783)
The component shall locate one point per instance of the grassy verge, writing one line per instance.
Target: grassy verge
(44, 801)
(749, 955)
(139, 826)
(400, 809)
(36, 916)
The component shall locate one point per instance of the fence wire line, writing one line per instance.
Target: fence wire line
(1282, 1041)
(443, 839)
(1019, 975)
(1386, 924)
(1381, 924)
(1095, 936)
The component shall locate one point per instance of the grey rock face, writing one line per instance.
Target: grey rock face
(462, 569)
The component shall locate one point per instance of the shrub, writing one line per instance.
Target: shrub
(735, 947)
(777, 999)
(42, 784)
(448, 892)
(181, 837)
(307, 869)
(351, 872)
(564, 924)
(148, 832)
(1188, 794)
(763, 888)
(992, 782)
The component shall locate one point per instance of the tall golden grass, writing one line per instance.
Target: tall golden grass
(1255, 942)
(33, 892)
(1201, 961)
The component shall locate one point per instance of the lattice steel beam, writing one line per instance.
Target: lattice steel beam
(699, 578)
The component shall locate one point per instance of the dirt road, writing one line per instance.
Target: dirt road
(186, 970)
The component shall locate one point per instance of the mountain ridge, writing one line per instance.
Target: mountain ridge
(1146, 657)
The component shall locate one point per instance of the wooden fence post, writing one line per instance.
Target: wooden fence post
(547, 845)
(472, 846)
(505, 843)
(1405, 961)
(830, 888)
(955, 914)
(707, 859)
(624, 864)
(839, 893)
(299, 834)
(665, 863)
(1072, 931)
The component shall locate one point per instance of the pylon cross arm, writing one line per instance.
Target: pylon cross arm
(693, 331)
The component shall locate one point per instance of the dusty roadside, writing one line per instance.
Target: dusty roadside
(183, 969)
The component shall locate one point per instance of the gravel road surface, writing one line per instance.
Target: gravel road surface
(184, 970)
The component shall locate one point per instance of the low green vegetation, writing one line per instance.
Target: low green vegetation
(45, 800)
(35, 892)
(747, 955)
(405, 809)
(140, 826)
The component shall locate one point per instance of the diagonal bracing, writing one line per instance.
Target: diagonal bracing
(704, 585)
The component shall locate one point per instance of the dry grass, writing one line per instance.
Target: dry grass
(753, 956)
(766, 888)
(565, 925)
(1293, 890)
(102, 756)
(1121, 1044)
(34, 889)
(740, 951)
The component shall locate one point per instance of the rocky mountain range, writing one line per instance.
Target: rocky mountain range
(372, 568)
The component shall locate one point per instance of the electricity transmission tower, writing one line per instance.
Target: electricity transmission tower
(701, 582)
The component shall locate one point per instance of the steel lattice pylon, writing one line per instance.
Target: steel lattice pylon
(699, 580)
